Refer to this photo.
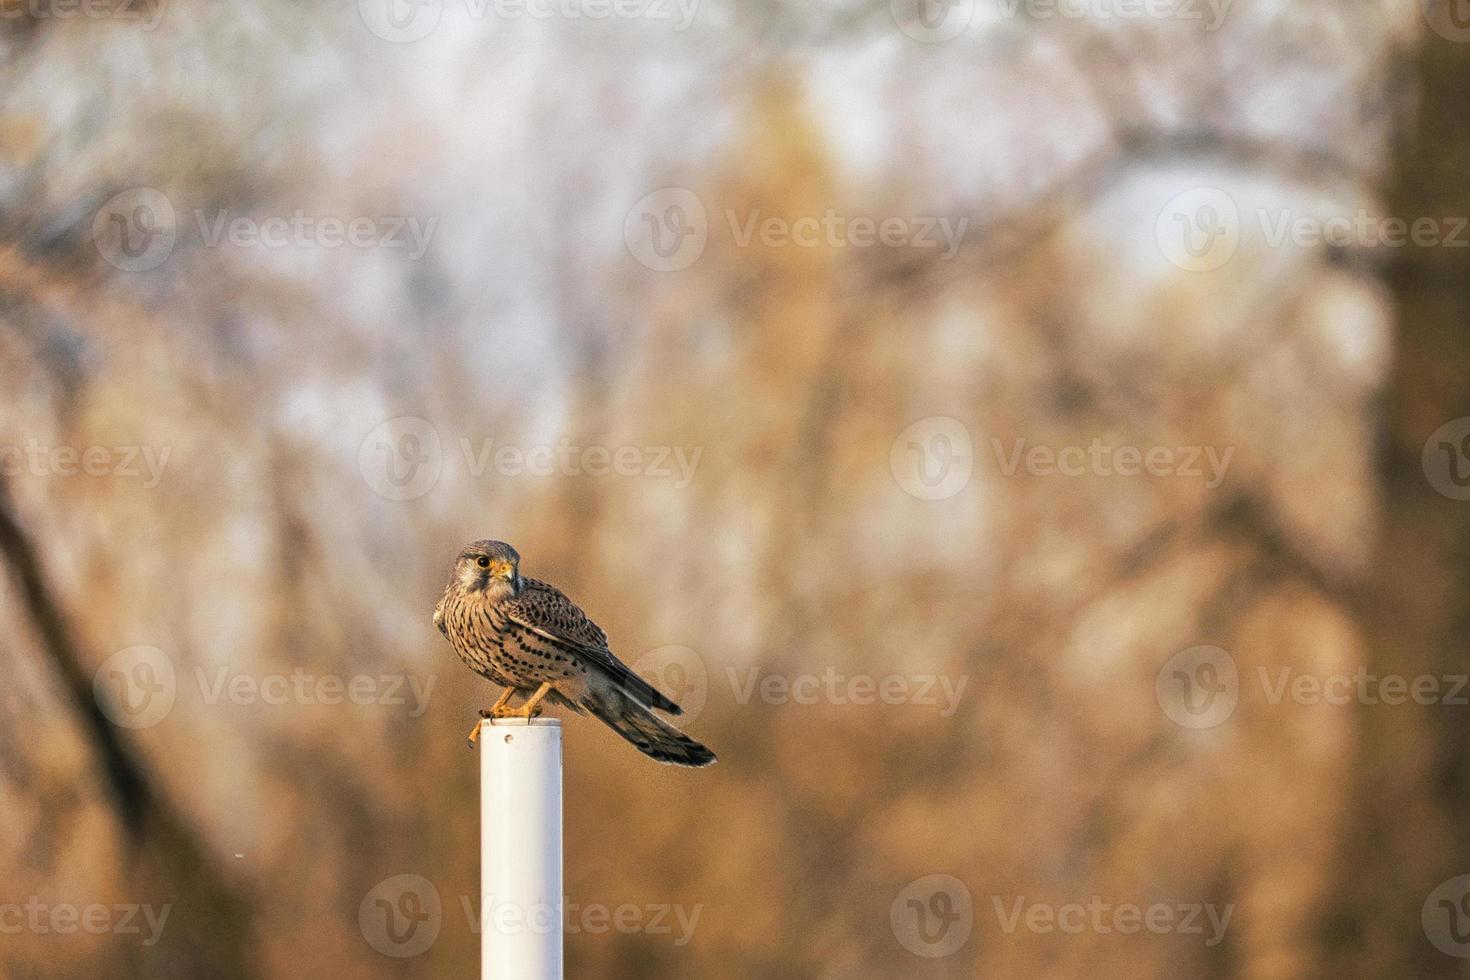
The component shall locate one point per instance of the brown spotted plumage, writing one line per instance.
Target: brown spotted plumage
(528, 637)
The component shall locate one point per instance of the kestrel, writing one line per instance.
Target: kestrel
(531, 639)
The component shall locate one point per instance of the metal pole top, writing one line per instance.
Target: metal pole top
(536, 729)
(521, 849)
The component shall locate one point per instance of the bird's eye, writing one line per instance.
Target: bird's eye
(482, 561)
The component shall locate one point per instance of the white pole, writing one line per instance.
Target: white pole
(520, 849)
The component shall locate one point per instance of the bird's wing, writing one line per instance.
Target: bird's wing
(546, 611)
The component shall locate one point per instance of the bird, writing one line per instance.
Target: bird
(529, 638)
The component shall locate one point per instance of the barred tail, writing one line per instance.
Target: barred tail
(650, 734)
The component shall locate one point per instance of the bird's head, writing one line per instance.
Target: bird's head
(490, 566)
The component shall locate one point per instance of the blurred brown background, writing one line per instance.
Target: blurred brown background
(958, 405)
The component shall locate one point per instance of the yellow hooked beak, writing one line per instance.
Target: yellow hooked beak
(502, 569)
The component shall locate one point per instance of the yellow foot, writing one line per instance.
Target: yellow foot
(531, 709)
(527, 711)
(497, 710)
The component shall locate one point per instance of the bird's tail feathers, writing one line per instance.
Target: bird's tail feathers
(641, 689)
(648, 733)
